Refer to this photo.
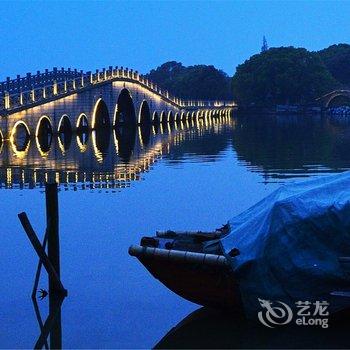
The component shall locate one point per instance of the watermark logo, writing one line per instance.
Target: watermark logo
(274, 313)
(307, 313)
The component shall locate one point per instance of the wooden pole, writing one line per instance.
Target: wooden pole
(41, 252)
(53, 246)
(53, 251)
(50, 326)
(51, 262)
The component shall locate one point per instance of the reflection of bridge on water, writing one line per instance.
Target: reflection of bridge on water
(102, 158)
(48, 108)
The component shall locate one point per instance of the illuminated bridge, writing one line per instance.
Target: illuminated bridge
(62, 101)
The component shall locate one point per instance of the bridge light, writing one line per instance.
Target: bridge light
(7, 100)
(55, 88)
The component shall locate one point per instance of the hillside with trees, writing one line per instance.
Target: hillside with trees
(193, 82)
(284, 75)
(337, 60)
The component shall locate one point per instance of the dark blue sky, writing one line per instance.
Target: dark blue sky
(144, 34)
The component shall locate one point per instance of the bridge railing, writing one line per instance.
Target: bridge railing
(31, 81)
(34, 89)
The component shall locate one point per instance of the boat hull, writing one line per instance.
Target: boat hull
(204, 279)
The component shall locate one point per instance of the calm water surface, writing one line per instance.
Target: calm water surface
(116, 187)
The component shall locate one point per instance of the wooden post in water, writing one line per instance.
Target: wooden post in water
(53, 251)
(53, 244)
(51, 262)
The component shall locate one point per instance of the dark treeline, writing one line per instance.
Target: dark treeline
(288, 75)
(283, 75)
(193, 82)
(337, 60)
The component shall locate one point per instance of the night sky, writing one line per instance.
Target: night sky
(144, 34)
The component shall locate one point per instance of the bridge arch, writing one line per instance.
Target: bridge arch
(82, 123)
(44, 126)
(64, 125)
(64, 133)
(144, 113)
(20, 138)
(100, 115)
(125, 110)
(338, 100)
(162, 117)
(170, 117)
(155, 118)
(43, 134)
(20, 127)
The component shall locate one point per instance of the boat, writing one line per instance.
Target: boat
(181, 261)
(291, 247)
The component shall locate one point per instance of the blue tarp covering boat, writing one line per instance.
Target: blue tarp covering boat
(292, 245)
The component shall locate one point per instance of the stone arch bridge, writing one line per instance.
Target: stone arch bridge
(326, 100)
(69, 100)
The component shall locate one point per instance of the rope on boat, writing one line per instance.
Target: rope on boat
(178, 255)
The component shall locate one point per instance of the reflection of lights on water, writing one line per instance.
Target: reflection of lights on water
(1, 141)
(116, 142)
(23, 152)
(9, 177)
(82, 145)
(19, 154)
(61, 145)
(43, 153)
(140, 136)
(141, 161)
(98, 154)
